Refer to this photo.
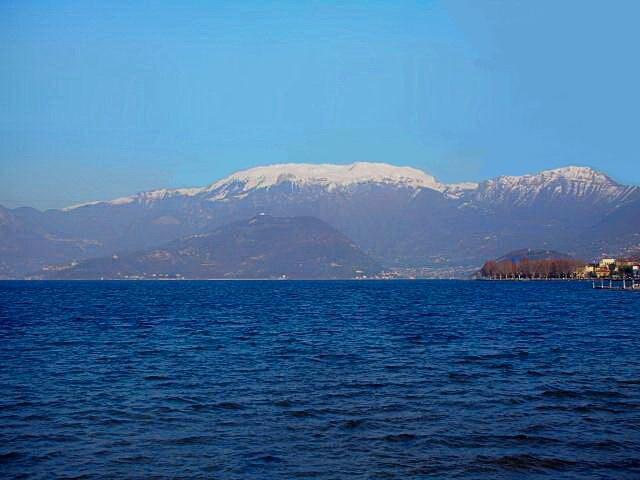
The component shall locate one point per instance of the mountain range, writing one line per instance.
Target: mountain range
(401, 217)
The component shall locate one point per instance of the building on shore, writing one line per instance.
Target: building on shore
(611, 268)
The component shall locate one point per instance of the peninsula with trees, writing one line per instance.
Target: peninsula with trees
(530, 264)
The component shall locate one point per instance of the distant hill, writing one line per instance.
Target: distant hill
(518, 256)
(262, 247)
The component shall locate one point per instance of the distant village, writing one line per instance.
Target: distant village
(612, 268)
(560, 268)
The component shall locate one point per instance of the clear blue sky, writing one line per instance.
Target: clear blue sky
(100, 99)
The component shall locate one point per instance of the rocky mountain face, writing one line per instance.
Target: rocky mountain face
(400, 216)
(262, 247)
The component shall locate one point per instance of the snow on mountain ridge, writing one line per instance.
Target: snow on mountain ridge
(329, 176)
(570, 173)
(570, 180)
(573, 172)
(574, 181)
(143, 197)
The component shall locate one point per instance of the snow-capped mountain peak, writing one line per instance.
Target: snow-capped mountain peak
(569, 174)
(578, 182)
(328, 176)
(574, 173)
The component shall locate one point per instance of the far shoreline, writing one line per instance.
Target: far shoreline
(35, 280)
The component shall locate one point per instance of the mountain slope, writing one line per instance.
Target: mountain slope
(262, 247)
(616, 234)
(529, 254)
(26, 246)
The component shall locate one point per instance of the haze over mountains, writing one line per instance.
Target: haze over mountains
(399, 216)
(261, 247)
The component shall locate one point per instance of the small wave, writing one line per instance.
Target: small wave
(394, 367)
(493, 356)
(229, 406)
(607, 444)
(270, 459)
(54, 438)
(366, 385)
(625, 464)
(163, 410)
(400, 437)
(156, 377)
(36, 418)
(65, 343)
(301, 413)
(593, 408)
(559, 393)
(604, 394)
(16, 406)
(631, 381)
(10, 457)
(149, 352)
(109, 422)
(337, 356)
(348, 394)
(573, 394)
(433, 315)
(625, 405)
(527, 462)
(134, 459)
(354, 423)
(179, 399)
(192, 440)
(531, 439)
(553, 408)
(460, 377)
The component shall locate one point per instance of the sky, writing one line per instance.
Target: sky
(102, 99)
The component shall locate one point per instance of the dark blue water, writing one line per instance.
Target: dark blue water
(333, 380)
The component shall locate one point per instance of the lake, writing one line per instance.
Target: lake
(326, 380)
